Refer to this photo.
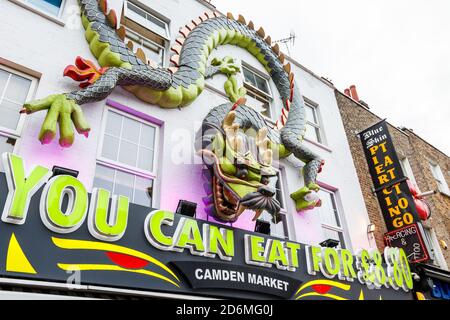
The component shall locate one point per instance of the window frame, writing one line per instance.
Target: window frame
(133, 33)
(254, 91)
(16, 133)
(283, 210)
(153, 175)
(407, 171)
(259, 74)
(436, 257)
(339, 216)
(318, 126)
(58, 16)
(134, 174)
(126, 14)
(440, 180)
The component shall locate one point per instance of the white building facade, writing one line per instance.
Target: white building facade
(36, 50)
(40, 38)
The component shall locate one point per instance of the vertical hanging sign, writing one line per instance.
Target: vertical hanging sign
(391, 188)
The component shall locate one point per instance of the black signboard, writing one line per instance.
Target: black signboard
(30, 251)
(410, 239)
(391, 187)
(236, 277)
(384, 166)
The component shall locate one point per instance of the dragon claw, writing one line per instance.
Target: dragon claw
(60, 110)
(306, 198)
(226, 66)
(313, 187)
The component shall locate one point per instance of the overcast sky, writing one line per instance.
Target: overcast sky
(397, 52)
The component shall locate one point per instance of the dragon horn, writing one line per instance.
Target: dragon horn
(141, 55)
(261, 33)
(112, 18)
(130, 45)
(287, 68)
(241, 19)
(276, 48)
(121, 32)
(103, 6)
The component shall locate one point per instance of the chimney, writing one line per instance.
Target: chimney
(354, 93)
(347, 93)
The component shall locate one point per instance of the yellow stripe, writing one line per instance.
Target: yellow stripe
(326, 283)
(314, 294)
(90, 245)
(101, 267)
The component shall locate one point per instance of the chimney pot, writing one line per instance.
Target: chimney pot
(354, 93)
(347, 93)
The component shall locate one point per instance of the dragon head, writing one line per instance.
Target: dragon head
(242, 175)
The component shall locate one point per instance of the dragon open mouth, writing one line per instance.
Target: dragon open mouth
(229, 205)
(225, 201)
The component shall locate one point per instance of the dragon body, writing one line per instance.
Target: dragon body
(240, 180)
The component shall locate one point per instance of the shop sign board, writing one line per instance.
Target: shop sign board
(53, 230)
(392, 190)
(410, 239)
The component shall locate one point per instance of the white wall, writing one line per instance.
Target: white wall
(47, 47)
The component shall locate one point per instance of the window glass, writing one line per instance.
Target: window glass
(104, 178)
(249, 77)
(312, 133)
(110, 147)
(143, 191)
(328, 210)
(139, 190)
(332, 227)
(129, 142)
(276, 229)
(258, 103)
(312, 124)
(439, 177)
(151, 22)
(310, 114)
(145, 159)
(50, 6)
(148, 137)
(131, 129)
(124, 184)
(4, 76)
(153, 51)
(275, 182)
(128, 153)
(256, 80)
(261, 84)
(127, 159)
(14, 90)
(114, 124)
(429, 238)
(334, 235)
(407, 170)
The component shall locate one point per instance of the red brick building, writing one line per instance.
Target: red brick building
(422, 163)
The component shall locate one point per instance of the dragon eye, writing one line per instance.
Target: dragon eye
(242, 173)
(265, 180)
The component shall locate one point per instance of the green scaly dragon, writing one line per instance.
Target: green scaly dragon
(240, 179)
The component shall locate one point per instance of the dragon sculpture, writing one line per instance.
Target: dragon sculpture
(239, 178)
